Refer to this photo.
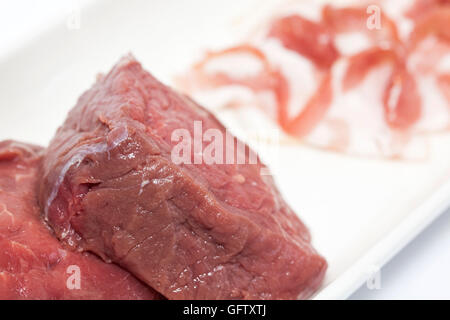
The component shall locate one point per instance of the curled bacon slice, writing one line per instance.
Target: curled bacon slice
(272, 80)
(349, 19)
(310, 39)
(314, 110)
(360, 65)
(402, 102)
(269, 79)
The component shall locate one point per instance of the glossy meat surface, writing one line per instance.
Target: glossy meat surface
(190, 231)
(33, 264)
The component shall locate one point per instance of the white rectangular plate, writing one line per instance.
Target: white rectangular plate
(360, 211)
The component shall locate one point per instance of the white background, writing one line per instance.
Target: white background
(415, 273)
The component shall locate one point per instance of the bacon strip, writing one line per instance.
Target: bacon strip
(270, 79)
(402, 102)
(361, 64)
(308, 38)
(314, 110)
(349, 19)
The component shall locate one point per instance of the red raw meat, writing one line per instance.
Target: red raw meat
(190, 231)
(33, 264)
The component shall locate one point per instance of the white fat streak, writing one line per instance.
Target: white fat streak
(248, 65)
(143, 184)
(7, 212)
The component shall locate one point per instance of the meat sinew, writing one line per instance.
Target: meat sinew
(190, 231)
(33, 264)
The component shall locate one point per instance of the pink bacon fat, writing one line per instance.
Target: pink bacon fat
(400, 101)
